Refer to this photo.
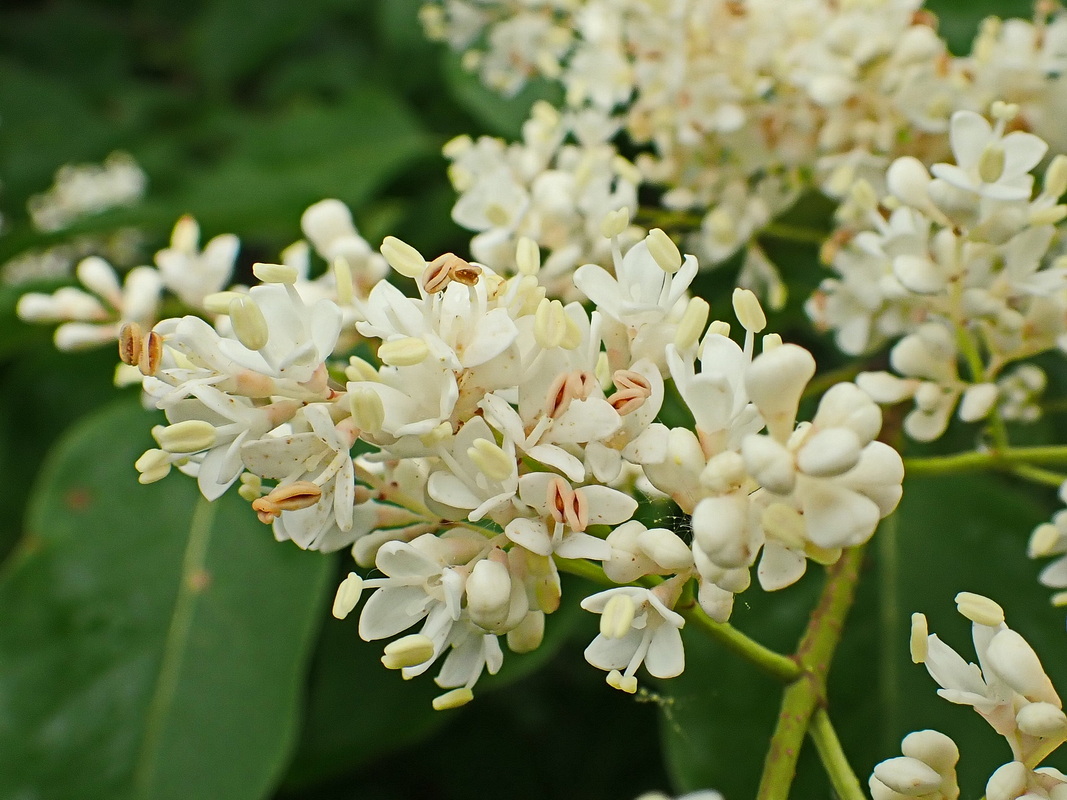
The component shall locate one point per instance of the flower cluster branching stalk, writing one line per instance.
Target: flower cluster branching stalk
(808, 693)
(977, 461)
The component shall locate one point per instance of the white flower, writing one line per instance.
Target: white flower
(193, 274)
(636, 627)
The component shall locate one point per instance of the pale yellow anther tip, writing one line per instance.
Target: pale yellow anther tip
(453, 699)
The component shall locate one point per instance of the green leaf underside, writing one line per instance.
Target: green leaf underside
(151, 645)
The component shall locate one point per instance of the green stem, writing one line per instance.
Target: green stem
(1038, 475)
(774, 664)
(844, 781)
(793, 233)
(1002, 458)
(814, 655)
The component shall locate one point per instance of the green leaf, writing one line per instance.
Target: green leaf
(359, 711)
(152, 645)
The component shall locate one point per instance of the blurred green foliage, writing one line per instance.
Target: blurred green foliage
(243, 112)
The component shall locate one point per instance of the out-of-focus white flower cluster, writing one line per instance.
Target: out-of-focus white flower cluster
(960, 262)
(80, 191)
(505, 430)
(1008, 688)
(737, 106)
(1050, 539)
(93, 313)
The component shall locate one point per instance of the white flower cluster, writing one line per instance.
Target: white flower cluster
(94, 313)
(554, 187)
(739, 105)
(81, 190)
(959, 261)
(1008, 688)
(508, 430)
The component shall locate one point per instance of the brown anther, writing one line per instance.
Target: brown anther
(438, 273)
(924, 17)
(466, 273)
(294, 496)
(632, 390)
(151, 353)
(130, 337)
(265, 510)
(560, 497)
(580, 384)
(556, 398)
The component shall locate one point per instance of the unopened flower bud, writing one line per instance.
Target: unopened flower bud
(979, 609)
(769, 463)
(404, 352)
(402, 257)
(775, 381)
(748, 310)
(909, 776)
(978, 401)
(724, 472)
(249, 324)
(1008, 782)
(933, 748)
(664, 251)
(98, 276)
(665, 549)
(528, 635)
(347, 596)
(1018, 665)
(454, 699)
(1044, 541)
(1041, 719)
(489, 594)
(275, 273)
(829, 452)
(785, 524)
(907, 179)
(188, 436)
(408, 651)
(721, 530)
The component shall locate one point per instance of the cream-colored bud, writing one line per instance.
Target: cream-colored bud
(153, 465)
(275, 273)
(991, 163)
(527, 256)
(748, 310)
(489, 595)
(664, 251)
(829, 452)
(979, 609)
(618, 616)
(909, 776)
(491, 459)
(615, 222)
(454, 699)
(978, 401)
(219, 302)
(188, 436)
(624, 683)
(724, 472)
(933, 748)
(527, 636)
(1008, 782)
(402, 257)
(785, 524)
(1041, 719)
(98, 276)
(405, 352)
(666, 549)
(249, 324)
(347, 596)
(1014, 660)
(1044, 541)
(770, 463)
(919, 641)
(368, 411)
(692, 324)
(908, 179)
(408, 651)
